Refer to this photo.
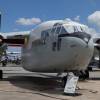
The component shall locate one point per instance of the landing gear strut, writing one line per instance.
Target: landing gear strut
(1, 74)
(64, 79)
(70, 83)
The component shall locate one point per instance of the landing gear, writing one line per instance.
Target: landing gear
(1, 74)
(64, 79)
(84, 74)
(89, 68)
(70, 82)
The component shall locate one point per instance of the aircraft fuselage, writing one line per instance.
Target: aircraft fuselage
(56, 52)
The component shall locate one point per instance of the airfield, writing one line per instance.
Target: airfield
(18, 84)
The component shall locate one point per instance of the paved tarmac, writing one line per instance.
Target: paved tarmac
(18, 84)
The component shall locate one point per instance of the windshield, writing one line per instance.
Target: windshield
(69, 29)
(72, 29)
(75, 31)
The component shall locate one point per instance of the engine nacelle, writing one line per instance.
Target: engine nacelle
(97, 43)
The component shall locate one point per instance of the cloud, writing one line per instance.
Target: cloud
(77, 18)
(94, 18)
(28, 21)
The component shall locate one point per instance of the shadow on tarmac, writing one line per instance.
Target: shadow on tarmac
(38, 84)
(94, 78)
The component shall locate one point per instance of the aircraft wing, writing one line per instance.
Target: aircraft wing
(16, 35)
(14, 38)
(18, 39)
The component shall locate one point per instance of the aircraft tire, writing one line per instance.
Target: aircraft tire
(84, 74)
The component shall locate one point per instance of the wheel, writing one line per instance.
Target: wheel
(84, 74)
(90, 68)
(87, 74)
(1, 74)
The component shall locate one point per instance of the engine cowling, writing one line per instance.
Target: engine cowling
(97, 43)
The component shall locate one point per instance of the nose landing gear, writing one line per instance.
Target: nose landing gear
(70, 82)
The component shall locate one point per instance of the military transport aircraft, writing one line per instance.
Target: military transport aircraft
(54, 46)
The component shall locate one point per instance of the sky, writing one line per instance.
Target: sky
(22, 15)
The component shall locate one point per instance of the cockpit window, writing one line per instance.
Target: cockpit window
(79, 29)
(72, 29)
(53, 30)
(85, 29)
(69, 29)
(44, 35)
(63, 31)
(58, 30)
(76, 31)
